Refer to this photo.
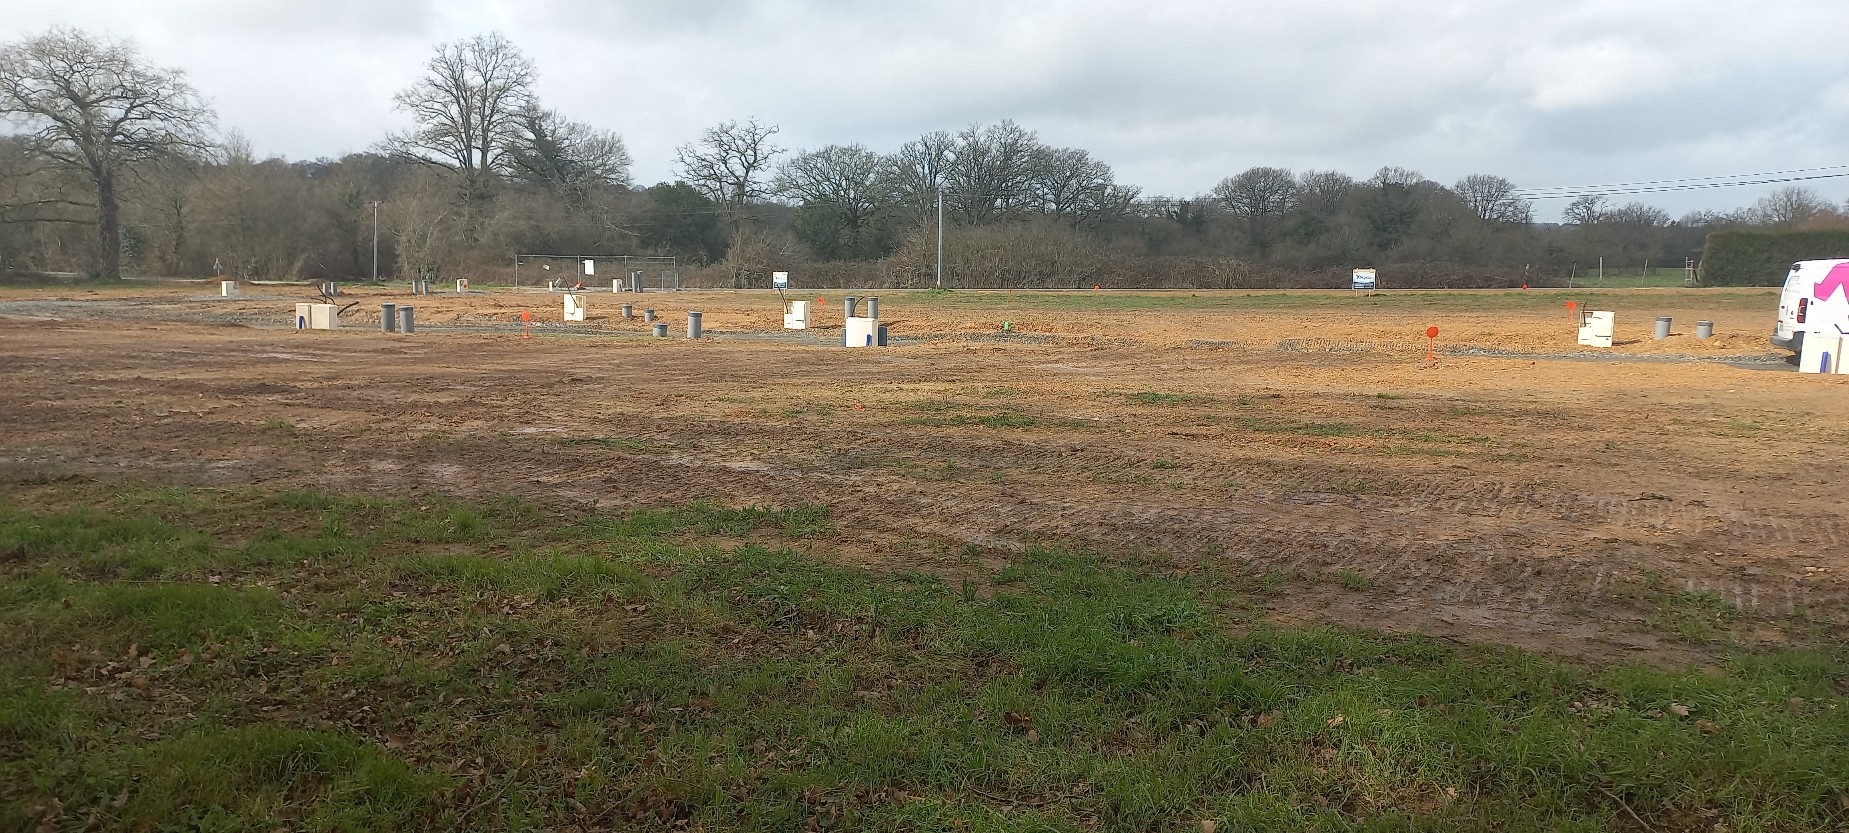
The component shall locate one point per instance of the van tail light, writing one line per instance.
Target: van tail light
(1803, 307)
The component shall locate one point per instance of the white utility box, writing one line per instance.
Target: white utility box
(304, 315)
(227, 288)
(323, 317)
(1823, 353)
(462, 285)
(861, 332)
(1598, 329)
(797, 316)
(574, 307)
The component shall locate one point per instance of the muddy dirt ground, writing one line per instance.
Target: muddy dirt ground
(1517, 490)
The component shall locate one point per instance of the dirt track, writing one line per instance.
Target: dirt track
(1529, 501)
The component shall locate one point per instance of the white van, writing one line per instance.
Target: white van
(1816, 299)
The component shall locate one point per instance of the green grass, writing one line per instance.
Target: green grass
(945, 413)
(1292, 426)
(1633, 278)
(1150, 397)
(1003, 419)
(617, 443)
(1353, 580)
(173, 659)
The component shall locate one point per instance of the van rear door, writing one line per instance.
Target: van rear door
(1785, 331)
(1815, 297)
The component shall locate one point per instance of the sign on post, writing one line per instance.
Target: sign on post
(780, 280)
(590, 267)
(1364, 280)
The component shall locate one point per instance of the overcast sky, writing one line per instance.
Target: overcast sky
(1173, 94)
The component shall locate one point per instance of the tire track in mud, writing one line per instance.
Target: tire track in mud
(1507, 573)
(1428, 549)
(1541, 552)
(1487, 551)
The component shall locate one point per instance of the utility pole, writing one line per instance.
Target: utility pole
(940, 237)
(375, 241)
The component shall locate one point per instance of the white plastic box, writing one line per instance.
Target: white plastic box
(1598, 329)
(797, 318)
(323, 317)
(574, 307)
(861, 332)
(1823, 353)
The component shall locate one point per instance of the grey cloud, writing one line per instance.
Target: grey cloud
(1175, 95)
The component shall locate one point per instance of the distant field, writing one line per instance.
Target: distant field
(1630, 278)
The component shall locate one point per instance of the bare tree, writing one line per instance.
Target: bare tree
(1323, 192)
(1789, 206)
(33, 190)
(1072, 186)
(916, 171)
(1585, 210)
(1262, 196)
(843, 193)
(573, 157)
(1494, 199)
(467, 107)
(1636, 214)
(258, 212)
(992, 172)
(93, 106)
(1391, 206)
(1636, 229)
(422, 225)
(730, 162)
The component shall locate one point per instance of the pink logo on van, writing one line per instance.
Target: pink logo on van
(1837, 279)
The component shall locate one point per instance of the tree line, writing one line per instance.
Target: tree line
(117, 166)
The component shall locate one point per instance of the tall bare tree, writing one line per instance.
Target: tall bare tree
(1262, 196)
(1585, 210)
(467, 107)
(992, 172)
(1495, 199)
(730, 163)
(916, 171)
(570, 156)
(1323, 192)
(843, 194)
(1072, 186)
(1790, 206)
(95, 107)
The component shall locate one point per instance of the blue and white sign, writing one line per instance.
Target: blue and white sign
(780, 280)
(1364, 279)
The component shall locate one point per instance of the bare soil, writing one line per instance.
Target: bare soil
(1517, 490)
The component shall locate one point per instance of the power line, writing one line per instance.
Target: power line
(1683, 180)
(1690, 184)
